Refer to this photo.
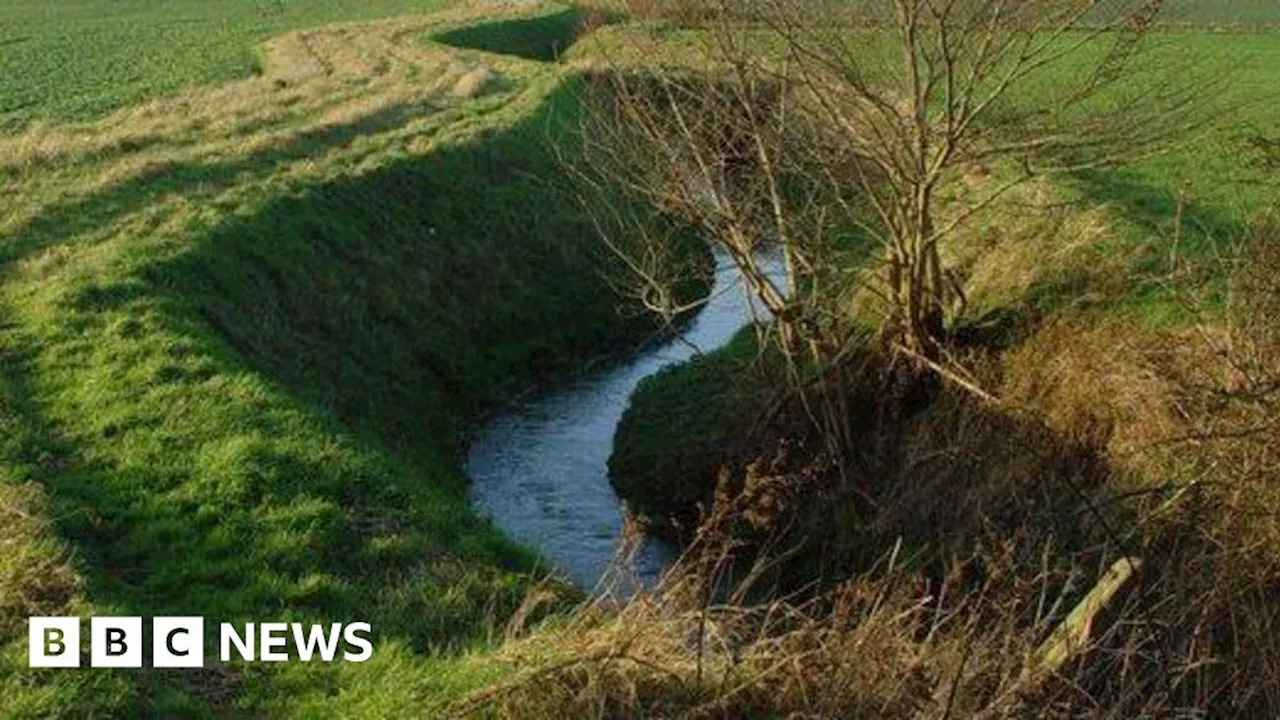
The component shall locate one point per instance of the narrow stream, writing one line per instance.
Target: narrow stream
(539, 470)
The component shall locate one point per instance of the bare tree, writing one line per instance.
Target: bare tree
(840, 132)
(714, 150)
(798, 121)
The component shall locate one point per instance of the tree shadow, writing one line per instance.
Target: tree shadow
(544, 38)
(1148, 246)
(1154, 208)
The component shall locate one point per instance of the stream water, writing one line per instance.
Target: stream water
(539, 469)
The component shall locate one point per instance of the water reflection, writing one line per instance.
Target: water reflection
(539, 470)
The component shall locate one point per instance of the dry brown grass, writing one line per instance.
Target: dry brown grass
(474, 82)
(1188, 419)
(884, 645)
(1031, 236)
(1095, 381)
(1194, 406)
(1110, 440)
(675, 11)
(889, 643)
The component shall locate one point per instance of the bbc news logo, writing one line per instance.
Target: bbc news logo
(178, 642)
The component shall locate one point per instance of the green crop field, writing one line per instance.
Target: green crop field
(259, 273)
(1224, 12)
(77, 58)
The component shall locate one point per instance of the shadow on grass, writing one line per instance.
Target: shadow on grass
(1151, 212)
(544, 38)
(395, 304)
(195, 181)
(265, 425)
(412, 298)
(1154, 209)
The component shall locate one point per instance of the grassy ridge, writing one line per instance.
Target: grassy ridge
(243, 329)
(80, 58)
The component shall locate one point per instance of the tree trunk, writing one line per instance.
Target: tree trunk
(916, 291)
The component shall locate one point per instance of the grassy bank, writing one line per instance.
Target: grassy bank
(683, 424)
(245, 328)
(1096, 243)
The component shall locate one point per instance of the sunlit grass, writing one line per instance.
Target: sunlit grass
(79, 58)
(244, 330)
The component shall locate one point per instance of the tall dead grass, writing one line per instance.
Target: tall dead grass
(714, 642)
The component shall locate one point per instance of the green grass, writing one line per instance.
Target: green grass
(1223, 12)
(682, 425)
(75, 59)
(1215, 172)
(242, 333)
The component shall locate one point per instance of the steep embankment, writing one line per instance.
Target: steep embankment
(242, 331)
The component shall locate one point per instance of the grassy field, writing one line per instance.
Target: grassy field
(1215, 170)
(251, 296)
(75, 59)
(243, 330)
(1224, 12)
